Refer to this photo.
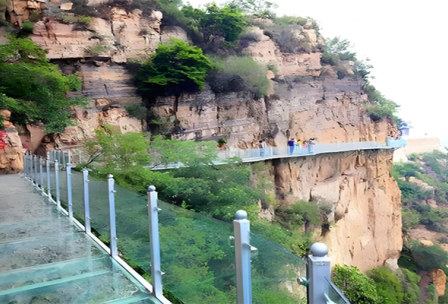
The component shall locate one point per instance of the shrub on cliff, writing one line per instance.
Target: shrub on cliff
(356, 286)
(389, 289)
(227, 21)
(33, 89)
(174, 65)
(250, 75)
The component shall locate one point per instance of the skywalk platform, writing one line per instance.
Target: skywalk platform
(45, 258)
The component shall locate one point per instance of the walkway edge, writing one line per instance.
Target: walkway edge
(135, 275)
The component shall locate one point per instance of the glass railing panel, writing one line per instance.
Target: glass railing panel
(44, 175)
(99, 208)
(334, 295)
(78, 196)
(63, 187)
(275, 272)
(131, 213)
(52, 181)
(197, 256)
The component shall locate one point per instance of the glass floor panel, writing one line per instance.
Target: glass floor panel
(35, 228)
(44, 258)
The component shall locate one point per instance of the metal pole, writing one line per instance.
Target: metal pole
(85, 174)
(318, 271)
(56, 173)
(242, 258)
(41, 175)
(153, 213)
(34, 169)
(113, 231)
(69, 191)
(25, 165)
(47, 164)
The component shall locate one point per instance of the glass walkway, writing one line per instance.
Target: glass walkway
(44, 258)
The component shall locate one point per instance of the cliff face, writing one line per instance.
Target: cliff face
(365, 219)
(327, 109)
(305, 100)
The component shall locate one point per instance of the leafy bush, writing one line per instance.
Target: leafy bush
(309, 211)
(74, 83)
(137, 111)
(427, 258)
(411, 192)
(174, 64)
(290, 20)
(260, 8)
(32, 88)
(96, 49)
(252, 73)
(356, 286)
(28, 26)
(410, 218)
(409, 281)
(443, 240)
(222, 141)
(405, 170)
(34, 17)
(227, 22)
(84, 19)
(388, 287)
(381, 106)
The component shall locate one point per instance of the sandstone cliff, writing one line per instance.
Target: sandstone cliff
(364, 226)
(305, 100)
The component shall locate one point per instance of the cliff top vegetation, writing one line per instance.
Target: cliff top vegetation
(33, 89)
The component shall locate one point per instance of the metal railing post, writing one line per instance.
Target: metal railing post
(34, 169)
(69, 190)
(153, 213)
(242, 258)
(41, 175)
(85, 174)
(56, 174)
(113, 230)
(47, 164)
(318, 271)
(25, 165)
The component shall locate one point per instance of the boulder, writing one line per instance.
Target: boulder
(439, 280)
(426, 243)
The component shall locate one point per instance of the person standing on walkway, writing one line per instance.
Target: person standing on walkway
(311, 143)
(299, 147)
(263, 147)
(291, 146)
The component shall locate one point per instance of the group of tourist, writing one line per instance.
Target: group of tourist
(294, 147)
(299, 146)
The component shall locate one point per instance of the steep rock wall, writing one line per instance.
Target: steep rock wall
(328, 109)
(365, 221)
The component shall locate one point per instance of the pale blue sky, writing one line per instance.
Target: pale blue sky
(406, 42)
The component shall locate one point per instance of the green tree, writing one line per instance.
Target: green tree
(227, 22)
(356, 286)
(174, 64)
(33, 89)
(259, 7)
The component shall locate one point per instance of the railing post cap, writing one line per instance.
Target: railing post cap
(151, 188)
(85, 169)
(319, 249)
(110, 176)
(241, 215)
